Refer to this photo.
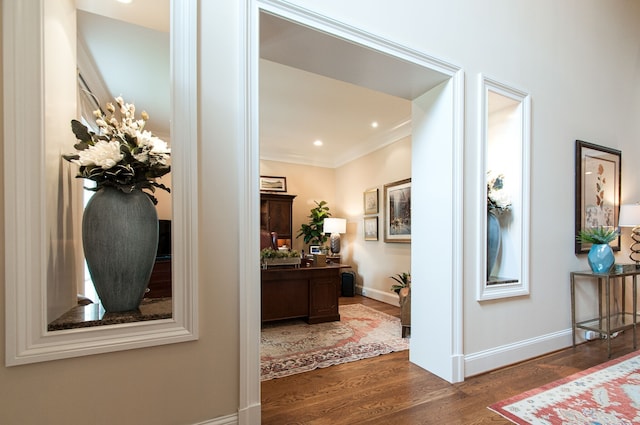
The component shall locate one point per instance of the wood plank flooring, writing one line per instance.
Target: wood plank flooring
(388, 389)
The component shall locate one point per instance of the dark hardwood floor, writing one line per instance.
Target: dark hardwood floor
(389, 389)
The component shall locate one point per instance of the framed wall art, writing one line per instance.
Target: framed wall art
(371, 228)
(397, 207)
(598, 177)
(273, 184)
(371, 201)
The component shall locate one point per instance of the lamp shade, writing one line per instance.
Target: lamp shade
(334, 225)
(629, 215)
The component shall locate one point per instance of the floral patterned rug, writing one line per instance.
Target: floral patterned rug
(607, 394)
(291, 347)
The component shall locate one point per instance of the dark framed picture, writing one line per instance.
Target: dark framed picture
(371, 201)
(397, 207)
(371, 228)
(598, 177)
(273, 184)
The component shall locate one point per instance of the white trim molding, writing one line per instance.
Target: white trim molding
(517, 161)
(27, 338)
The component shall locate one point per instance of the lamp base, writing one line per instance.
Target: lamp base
(334, 243)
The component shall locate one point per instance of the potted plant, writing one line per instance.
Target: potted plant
(312, 232)
(403, 280)
(276, 257)
(600, 255)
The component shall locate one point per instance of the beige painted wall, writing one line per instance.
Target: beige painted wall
(185, 383)
(309, 184)
(373, 261)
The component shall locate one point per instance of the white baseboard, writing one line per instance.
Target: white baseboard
(222, 420)
(376, 294)
(485, 361)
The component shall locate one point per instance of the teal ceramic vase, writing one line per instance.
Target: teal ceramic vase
(120, 240)
(600, 258)
(493, 241)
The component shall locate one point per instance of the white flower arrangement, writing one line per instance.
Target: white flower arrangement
(498, 200)
(123, 154)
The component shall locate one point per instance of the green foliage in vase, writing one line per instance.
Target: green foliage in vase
(597, 235)
(122, 154)
(312, 232)
(403, 280)
(273, 253)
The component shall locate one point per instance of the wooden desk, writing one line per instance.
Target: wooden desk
(308, 292)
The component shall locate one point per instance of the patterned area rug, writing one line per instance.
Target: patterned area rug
(607, 394)
(291, 347)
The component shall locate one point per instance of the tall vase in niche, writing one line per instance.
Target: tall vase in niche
(493, 241)
(120, 240)
(600, 258)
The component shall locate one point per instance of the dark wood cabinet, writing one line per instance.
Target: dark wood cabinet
(308, 292)
(276, 213)
(160, 281)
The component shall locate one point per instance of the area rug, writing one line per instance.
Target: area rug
(607, 394)
(291, 347)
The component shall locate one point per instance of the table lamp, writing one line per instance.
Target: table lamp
(630, 217)
(334, 226)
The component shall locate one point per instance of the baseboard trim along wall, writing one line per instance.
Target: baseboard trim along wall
(495, 358)
(386, 297)
(222, 420)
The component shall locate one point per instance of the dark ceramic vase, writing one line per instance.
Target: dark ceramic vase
(120, 240)
(493, 241)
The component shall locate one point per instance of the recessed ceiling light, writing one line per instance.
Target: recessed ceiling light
(124, 1)
(374, 124)
(318, 143)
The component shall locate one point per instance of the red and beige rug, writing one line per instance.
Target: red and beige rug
(607, 394)
(292, 347)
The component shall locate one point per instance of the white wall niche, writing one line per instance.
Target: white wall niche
(27, 338)
(505, 122)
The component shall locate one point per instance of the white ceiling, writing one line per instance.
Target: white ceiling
(312, 85)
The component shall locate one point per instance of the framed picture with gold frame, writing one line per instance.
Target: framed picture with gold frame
(371, 201)
(371, 228)
(397, 209)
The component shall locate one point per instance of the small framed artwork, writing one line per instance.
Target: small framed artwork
(598, 177)
(397, 208)
(371, 201)
(273, 184)
(314, 249)
(371, 228)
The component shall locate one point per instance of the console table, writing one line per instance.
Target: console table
(308, 292)
(607, 323)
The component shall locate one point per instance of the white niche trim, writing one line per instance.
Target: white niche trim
(27, 338)
(505, 135)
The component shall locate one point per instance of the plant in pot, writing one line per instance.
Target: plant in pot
(600, 256)
(312, 232)
(403, 280)
(270, 256)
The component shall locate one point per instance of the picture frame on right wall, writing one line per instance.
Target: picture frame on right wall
(598, 175)
(371, 201)
(397, 210)
(371, 228)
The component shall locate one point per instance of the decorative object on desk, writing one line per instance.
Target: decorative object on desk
(598, 174)
(313, 232)
(270, 257)
(290, 347)
(403, 280)
(120, 223)
(630, 217)
(371, 201)
(604, 394)
(600, 255)
(335, 226)
(498, 202)
(397, 205)
(273, 184)
(371, 228)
